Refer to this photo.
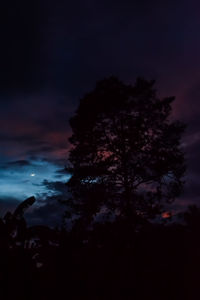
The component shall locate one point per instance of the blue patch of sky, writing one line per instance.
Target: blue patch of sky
(22, 179)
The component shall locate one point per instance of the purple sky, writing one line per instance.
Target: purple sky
(52, 52)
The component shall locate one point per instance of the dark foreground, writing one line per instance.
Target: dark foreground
(111, 262)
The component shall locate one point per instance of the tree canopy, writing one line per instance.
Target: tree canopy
(126, 156)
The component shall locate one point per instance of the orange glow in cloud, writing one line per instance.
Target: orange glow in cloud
(166, 215)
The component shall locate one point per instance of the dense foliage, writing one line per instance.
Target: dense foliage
(126, 158)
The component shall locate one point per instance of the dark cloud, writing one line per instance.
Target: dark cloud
(19, 163)
(62, 171)
(56, 186)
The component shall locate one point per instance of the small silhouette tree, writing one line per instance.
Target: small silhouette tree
(126, 157)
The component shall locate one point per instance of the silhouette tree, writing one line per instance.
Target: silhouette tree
(126, 158)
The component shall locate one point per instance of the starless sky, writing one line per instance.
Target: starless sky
(53, 51)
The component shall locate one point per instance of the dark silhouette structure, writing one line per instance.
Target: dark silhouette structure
(162, 263)
(126, 160)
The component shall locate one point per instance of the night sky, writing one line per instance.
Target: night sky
(52, 52)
